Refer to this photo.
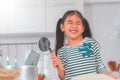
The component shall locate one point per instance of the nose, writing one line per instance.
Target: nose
(74, 25)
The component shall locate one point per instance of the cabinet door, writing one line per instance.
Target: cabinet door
(33, 16)
(56, 9)
(3, 16)
(23, 16)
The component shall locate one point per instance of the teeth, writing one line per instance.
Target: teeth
(73, 31)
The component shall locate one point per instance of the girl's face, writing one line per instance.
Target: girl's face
(73, 27)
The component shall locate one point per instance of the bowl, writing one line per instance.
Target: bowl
(11, 67)
(9, 73)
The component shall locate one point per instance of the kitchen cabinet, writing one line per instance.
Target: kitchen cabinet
(22, 16)
(33, 16)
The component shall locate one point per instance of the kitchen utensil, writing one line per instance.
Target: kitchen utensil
(112, 65)
(10, 66)
(44, 44)
(28, 72)
(118, 68)
(8, 60)
(32, 58)
(15, 58)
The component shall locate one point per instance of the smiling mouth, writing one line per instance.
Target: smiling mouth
(73, 31)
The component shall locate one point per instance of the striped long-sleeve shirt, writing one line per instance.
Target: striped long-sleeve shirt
(82, 59)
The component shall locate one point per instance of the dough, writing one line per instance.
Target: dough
(8, 74)
(93, 77)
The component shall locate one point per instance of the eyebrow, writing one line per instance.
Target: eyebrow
(77, 21)
(69, 21)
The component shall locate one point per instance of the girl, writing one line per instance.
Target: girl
(81, 54)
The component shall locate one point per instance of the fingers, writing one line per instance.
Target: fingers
(55, 59)
(53, 53)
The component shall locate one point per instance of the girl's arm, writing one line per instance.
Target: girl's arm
(61, 72)
(58, 65)
(110, 74)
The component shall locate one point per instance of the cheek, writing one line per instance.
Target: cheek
(82, 28)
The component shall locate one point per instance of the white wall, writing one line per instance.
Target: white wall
(104, 19)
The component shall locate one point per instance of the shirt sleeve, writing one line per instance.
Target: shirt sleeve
(99, 63)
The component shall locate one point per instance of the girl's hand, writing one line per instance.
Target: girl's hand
(112, 75)
(55, 60)
(58, 65)
(118, 78)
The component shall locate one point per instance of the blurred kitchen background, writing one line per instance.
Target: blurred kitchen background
(24, 22)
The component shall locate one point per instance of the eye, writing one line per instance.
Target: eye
(70, 22)
(79, 23)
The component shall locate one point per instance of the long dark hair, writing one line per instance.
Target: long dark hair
(60, 34)
(87, 32)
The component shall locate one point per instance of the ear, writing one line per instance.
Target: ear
(62, 27)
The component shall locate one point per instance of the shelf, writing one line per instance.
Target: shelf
(16, 35)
